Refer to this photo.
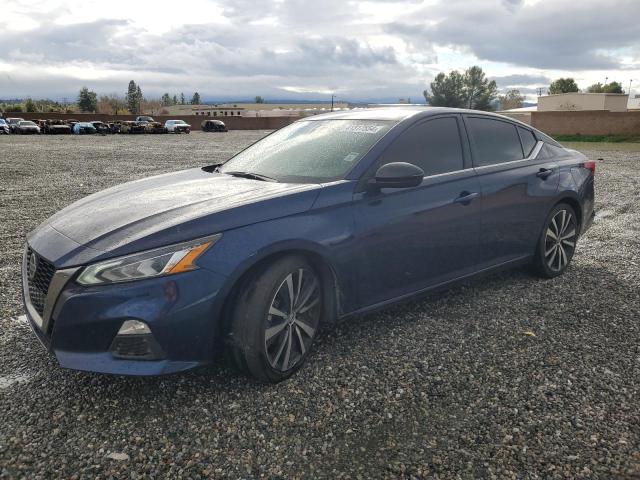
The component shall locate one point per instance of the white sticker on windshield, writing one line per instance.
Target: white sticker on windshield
(362, 128)
(351, 157)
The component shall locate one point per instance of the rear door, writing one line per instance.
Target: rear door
(413, 238)
(517, 188)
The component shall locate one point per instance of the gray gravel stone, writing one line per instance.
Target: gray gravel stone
(507, 377)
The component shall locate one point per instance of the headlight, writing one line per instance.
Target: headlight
(152, 263)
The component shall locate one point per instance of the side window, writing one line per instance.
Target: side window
(433, 145)
(528, 140)
(495, 141)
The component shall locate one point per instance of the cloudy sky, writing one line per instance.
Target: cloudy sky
(304, 49)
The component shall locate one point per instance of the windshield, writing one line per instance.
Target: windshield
(310, 151)
(27, 124)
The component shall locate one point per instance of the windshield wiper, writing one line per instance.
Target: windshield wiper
(252, 176)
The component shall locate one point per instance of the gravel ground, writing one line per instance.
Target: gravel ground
(508, 377)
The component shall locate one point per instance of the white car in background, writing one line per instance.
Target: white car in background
(177, 126)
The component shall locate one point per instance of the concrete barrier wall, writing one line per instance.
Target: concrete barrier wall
(233, 123)
(594, 122)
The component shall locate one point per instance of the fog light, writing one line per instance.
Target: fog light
(133, 327)
(135, 341)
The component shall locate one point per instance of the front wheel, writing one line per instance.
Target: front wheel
(557, 242)
(276, 318)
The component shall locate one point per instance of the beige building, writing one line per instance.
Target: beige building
(612, 102)
(254, 109)
(204, 110)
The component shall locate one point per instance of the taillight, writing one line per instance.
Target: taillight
(591, 165)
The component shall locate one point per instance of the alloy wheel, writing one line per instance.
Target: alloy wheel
(292, 319)
(560, 240)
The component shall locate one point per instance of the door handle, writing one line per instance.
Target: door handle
(465, 198)
(544, 173)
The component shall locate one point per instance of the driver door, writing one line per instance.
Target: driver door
(415, 238)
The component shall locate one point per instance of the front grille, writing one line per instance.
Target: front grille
(38, 280)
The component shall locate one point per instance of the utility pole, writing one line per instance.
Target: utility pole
(605, 80)
(539, 91)
(332, 97)
(630, 80)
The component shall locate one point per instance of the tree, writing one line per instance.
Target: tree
(132, 97)
(446, 90)
(195, 100)
(174, 100)
(613, 87)
(87, 100)
(469, 90)
(166, 100)
(182, 101)
(563, 85)
(140, 98)
(112, 104)
(259, 99)
(479, 92)
(511, 99)
(29, 105)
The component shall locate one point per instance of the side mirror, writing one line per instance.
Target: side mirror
(397, 175)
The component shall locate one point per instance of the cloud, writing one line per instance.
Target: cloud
(371, 49)
(556, 35)
(521, 80)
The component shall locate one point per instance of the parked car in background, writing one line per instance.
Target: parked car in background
(4, 127)
(144, 119)
(27, 127)
(115, 126)
(101, 127)
(332, 216)
(84, 128)
(13, 123)
(154, 127)
(177, 126)
(213, 126)
(131, 127)
(72, 122)
(56, 127)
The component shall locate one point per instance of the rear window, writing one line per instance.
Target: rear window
(495, 141)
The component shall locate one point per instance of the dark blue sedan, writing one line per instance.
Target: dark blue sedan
(331, 216)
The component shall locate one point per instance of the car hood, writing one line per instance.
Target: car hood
(163, 210)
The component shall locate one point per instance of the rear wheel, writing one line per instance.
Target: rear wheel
(276, 318)
(557, 242)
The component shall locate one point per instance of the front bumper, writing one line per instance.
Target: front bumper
(79, 324)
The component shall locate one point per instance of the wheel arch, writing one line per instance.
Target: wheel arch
(311, 252)
(571, 198)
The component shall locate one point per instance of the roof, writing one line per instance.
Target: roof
(393, 113)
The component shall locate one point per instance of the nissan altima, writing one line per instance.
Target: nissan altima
(331, 216)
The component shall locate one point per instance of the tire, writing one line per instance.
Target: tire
(557, 242)
(268, 338)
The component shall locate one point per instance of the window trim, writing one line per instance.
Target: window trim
(532, 156)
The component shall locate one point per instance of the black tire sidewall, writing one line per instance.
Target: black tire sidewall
(249, 317)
